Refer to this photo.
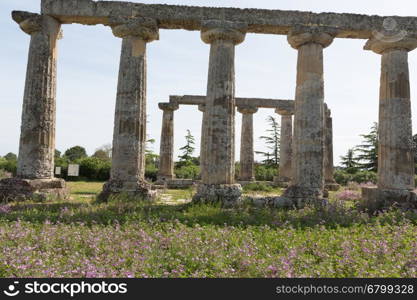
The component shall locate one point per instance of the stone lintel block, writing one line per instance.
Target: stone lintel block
(139, 189)
(375, 199)
(227, 194)
(19, 189)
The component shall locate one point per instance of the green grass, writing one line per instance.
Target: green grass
(83, 238)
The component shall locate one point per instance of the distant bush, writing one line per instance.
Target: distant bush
(343, 177)
(257, 186)
(265, 173)
(9, 165)
(151, 172)
(190, 171)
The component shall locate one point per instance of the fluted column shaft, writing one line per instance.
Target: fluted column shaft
(37, 135)
(285, 158)
(395, 151)
(247, 159)
(166, 154)
(220, 105)
(202, 108)
(308, 139)
(129, 136)
(328, 147)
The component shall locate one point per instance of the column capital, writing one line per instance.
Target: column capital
(212, 30)
(301, 35)
(247, 109)
(32, 22)
(168, 106)
(143, 28)
(202, 107)
(284, 112)
(379, 46)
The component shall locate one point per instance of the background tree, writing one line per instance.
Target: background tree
(101, 154)
(151, 160)
(349, 161)
(272, 140)
(187, 151)
(368, 150)
(75, 153)
(57, 154)
(11, 156)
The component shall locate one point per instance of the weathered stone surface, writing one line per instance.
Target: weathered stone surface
(129, 136)
(37, 136)
(330, 183)
(227, 194)
(138, 189)
(282, 105)
(202, 108)
(176, 183)
(374, 199)
(308, 139)
(191, 17)
(18, 189)
(285, 161)
(247, 157)
(166, 153)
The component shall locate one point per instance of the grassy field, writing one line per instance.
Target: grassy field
(83, 238)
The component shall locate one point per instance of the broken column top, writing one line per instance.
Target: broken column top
(91, 12)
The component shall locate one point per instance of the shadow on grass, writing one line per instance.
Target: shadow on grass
(202, 214)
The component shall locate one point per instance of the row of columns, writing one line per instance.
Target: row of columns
(37, 142)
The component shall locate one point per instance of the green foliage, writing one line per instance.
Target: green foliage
(10, 156)
(75, 153)
(342, 177)
(368, 151)
(190, 171)
(94, 168)
(8, 165)
(101, 154)
(151, 172)
(257, 186)
(272, 140)
(265, 172)
(186, 157)
(349, 161)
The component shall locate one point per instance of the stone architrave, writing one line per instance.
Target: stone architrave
(395, 149)
(166, 153)
(35, 166)
(247, 158)
(218, 176)
(129, 136)
(307, 184)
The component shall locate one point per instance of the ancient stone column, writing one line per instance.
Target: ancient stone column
(308, 139)
(35, 167)
(218, 176)
(285, 154)
(166, 153)
(330, 183)
(202, 108)
(129, 135)
(395, 149)
(247, 158)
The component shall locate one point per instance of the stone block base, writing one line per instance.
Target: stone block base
(281, 182)
(332, 186)
(374, 198)
(139, 189)
(19, 189)
(301, 196)
(175, 183)
(227, 194)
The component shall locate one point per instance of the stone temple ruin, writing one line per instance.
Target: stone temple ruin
(306, 148)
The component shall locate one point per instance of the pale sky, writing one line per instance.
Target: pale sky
(178, 63)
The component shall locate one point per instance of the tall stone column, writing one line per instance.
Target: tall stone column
(218, 176)
(202, 108)
(285, 154)
(308, 140)
(35, 167)
(129, 136)
(330, 183)
(247, 158)
(166, 153)
(395, 149)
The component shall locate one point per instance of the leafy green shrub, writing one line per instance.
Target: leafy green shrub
(365, 176)
(265, 173)
(9, 165)
(257, 186)
(342, 177)
(151, 172)
(188, 172)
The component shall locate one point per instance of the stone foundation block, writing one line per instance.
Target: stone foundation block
(18, 189)
(281, 182)
(140, 189)
(301, 196)
(227, 194)
(332, 186)
(374, 198)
